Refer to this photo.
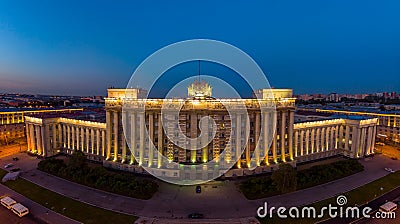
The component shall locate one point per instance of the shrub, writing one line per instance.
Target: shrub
(77, 170)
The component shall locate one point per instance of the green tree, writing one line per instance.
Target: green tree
(284, 178)
(77, 160)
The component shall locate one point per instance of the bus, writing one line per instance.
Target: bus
(388, 207)
(7, 202)
(20, 210)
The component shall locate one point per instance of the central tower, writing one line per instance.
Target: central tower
(199, 89)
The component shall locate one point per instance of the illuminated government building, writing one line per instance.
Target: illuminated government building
(290, 142)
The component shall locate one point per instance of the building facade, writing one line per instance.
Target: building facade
(388, 125)
(134, 135)
(12, 124)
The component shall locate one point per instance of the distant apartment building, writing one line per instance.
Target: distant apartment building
(333, 97)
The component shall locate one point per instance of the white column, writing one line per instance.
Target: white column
(160, 141)
(354, 143)
(64, 135)
(54, 127)
(124, 119)
(347, 136)
(296, 143)
(43, 140)
(318, 138)
(204, 140)
(133, 137)
(362, 143)
(291, 124)
(373, 139)
(275, 138)
(141, 138)
(97, 141)
(307, 141)
(108, 132)
(265, 137)
(257, 138)
(83, 136)
(238, 139)
(301, 142)
(339, 136)
(323, 140)
(247, 139)
(86, 134)
(33, 137)
(116, 139)
(282, 135)
(28, 136)
(312, 140)
(91, 140)
(193, 134)
(78, 138)
(369, 142)
(328, 138)
(60, 135)
(151, 139)
(69, 136)
(73, 136)
(38, 140)
(103, 142)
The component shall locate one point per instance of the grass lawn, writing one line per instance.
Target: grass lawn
(357, 196)
(74, 209)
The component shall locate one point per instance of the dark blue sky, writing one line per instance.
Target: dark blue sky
(80, 48)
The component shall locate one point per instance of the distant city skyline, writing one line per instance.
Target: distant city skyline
(68, 48)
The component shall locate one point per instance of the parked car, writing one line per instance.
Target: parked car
(388, 207)
(195, 216)
(15, 158)
(7, 202)
(20, 210)
(8, 165)
(198, 189)
(389, 170)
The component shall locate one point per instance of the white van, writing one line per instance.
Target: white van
(20, 210)
(388, 207)
(7, 202)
